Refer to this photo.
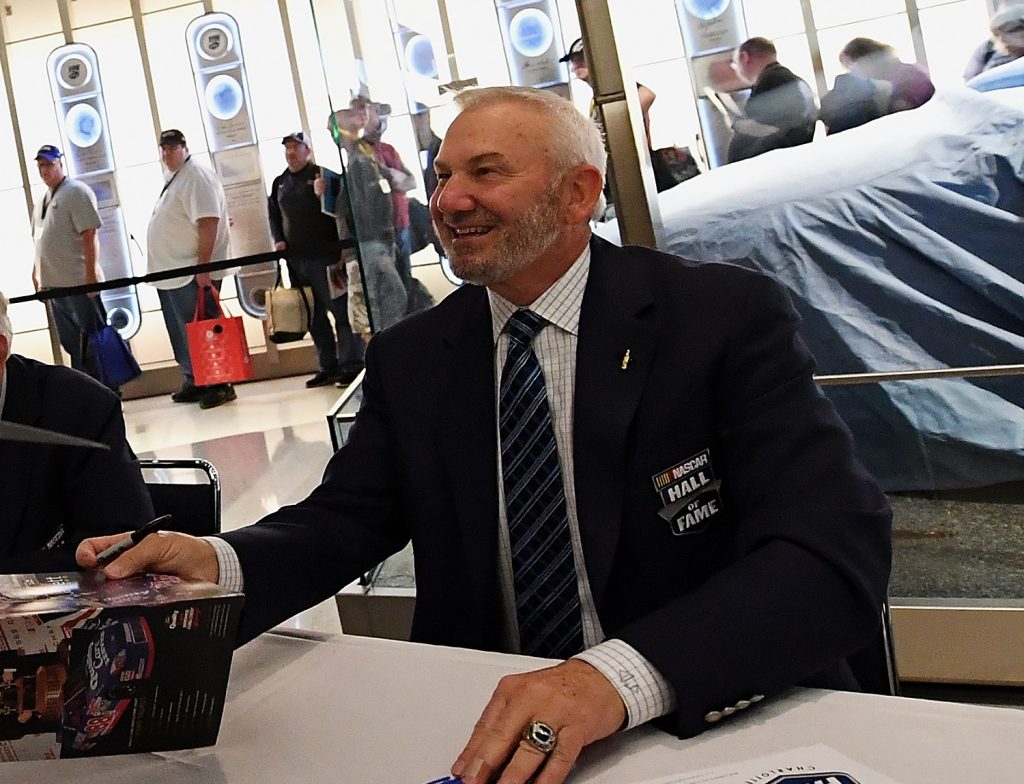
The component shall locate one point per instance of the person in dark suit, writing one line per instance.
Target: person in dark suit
(55, 496)
(780, 111)
(722, 542)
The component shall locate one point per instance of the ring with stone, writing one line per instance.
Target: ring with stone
(541, 736)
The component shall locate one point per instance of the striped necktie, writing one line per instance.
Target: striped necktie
(543, 567)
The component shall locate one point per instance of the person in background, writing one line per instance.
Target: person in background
(853, 101)
(65, 228)
(780, 111)
(55, 496)
(871, 59)
(364, 212)
(576, 57)
(605, 455)
(310, 237)
(1005, 45)
(429, 144)
(400, 181)
(189, 226)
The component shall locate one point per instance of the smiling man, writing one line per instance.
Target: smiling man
(603, 455)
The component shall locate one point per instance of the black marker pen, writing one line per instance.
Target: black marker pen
(126, 544)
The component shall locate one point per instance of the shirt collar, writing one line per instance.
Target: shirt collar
(559, 305)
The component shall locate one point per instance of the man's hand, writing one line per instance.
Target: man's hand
(203, 280)
(280, 245)
(319, 184)
(576, 700)
(165, 552)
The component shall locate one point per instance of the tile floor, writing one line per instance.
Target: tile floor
(270, 447)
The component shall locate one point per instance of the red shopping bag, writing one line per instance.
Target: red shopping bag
(217, 346)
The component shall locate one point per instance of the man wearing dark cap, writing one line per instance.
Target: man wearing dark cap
(189, 226)
(67, 254)
(577, 60)
(310, 238)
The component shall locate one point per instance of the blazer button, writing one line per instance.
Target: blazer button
(728, 711)
(743, 704)
(757, 698)
(712, 716)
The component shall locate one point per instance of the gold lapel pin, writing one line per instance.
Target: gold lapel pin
(625, 359)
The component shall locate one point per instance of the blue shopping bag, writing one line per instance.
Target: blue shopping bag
(112, 358)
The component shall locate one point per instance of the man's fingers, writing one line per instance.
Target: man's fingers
(164, 552)
(560, 761)
(85, 554)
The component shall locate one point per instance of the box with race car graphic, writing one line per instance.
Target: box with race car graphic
(90, 666)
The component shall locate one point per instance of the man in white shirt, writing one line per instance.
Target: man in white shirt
(189, 226)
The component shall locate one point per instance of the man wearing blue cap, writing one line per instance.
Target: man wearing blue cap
(67, 253)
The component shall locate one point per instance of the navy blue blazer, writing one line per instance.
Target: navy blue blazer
(729, 534)
(90, 492)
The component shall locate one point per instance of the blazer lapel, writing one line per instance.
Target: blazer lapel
(468, 434)
(21, 406)
(617, 340)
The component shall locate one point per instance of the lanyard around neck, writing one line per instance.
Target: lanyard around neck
(176, 173)
(49, 198)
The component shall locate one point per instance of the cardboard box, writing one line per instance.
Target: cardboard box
(90, 667)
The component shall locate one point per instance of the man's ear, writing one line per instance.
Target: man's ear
(583, 186)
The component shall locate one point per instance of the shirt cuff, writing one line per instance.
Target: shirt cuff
(230, 574)
(645, 692)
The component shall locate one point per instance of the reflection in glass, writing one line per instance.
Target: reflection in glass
(224, 97)
(531, 32)
(419, 56)
(83, 125)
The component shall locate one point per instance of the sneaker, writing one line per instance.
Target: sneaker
(217, 396)
(346, 377)
(322, 379)
(188, 393)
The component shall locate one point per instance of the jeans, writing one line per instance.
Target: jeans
(385, 295)
(77, 316)
(338, 349)
(179, 308)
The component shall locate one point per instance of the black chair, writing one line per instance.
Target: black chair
(874, 667)
(188, 490)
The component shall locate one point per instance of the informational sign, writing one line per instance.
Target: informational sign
(710, 25)
(711, 30)
(532, 35)
(424, 66)
(88, 155)
(222, 89)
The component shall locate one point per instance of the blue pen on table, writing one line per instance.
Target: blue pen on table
(126, 544)
(445, 780)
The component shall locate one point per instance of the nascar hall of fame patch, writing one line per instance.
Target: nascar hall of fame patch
(689, 494)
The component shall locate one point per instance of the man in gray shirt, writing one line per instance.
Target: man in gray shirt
(67, 251)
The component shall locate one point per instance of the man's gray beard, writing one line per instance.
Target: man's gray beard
(521, 244)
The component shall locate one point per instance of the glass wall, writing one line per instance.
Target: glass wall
(397, 53)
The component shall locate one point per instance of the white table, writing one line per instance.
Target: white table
(352, 710)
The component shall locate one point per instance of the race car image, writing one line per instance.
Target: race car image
(118, 660)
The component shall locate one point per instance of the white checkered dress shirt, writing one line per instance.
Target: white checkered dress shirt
(645, 692)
